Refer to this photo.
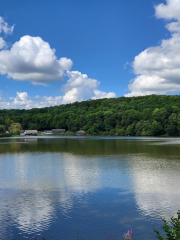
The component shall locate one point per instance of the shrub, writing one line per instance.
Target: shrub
(15, 131)
(15, 126)
(172, 229)
(5, 135)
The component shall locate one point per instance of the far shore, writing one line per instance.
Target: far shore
(94, 136)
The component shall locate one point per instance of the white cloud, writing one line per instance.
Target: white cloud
(173, 27)
(100, 94)
(22, 99)
(170, 10)
(158, 68)
(5, 28)
(2, 43)
(147, 85)
(32, 59)
(78, 88)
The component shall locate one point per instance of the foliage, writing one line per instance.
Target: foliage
(5, 135)
(15, 128)
(152, 115)
(2, 129)
(172, 229)
(15, 131)
(66, 133)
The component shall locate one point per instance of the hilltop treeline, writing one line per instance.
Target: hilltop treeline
(151, 115)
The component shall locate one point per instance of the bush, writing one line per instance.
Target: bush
(15, 131)
(5, 135)
(172, 229)
(15, 126)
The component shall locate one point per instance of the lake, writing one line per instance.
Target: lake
(87, 187)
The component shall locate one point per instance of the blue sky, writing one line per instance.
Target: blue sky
(61, 51)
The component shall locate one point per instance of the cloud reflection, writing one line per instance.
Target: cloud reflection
(32, 212)
(31, 203)
(41, 183)
(156, 185)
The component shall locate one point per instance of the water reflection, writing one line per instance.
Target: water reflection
(32, 212)
(156, 185)
(54, 186)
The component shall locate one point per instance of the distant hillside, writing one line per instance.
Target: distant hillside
(151, 115)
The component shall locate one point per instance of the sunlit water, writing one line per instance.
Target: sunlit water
(64, 188)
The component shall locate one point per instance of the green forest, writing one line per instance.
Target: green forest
(152, 115)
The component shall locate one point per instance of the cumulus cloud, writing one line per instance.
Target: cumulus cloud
(22, 99)
(170, 10)
(158, 68)
(2, 43)
(79, 87)
(147, 85)
(32, 59)
(100, 94)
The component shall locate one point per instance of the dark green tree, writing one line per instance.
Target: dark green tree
(156, 128)
(2, 129)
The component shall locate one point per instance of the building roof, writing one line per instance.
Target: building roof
(30, 131)
(80, 131)
(58, 130)
(48, 131)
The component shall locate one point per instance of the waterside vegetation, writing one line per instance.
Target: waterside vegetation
(152, 115)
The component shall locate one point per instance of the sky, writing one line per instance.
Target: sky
(55, 52)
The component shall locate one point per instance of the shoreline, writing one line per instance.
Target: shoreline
(94, 137)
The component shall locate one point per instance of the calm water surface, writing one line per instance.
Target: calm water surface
(61, 188)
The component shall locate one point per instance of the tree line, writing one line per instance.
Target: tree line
(151, 115)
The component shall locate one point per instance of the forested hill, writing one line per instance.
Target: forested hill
(149, 115)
